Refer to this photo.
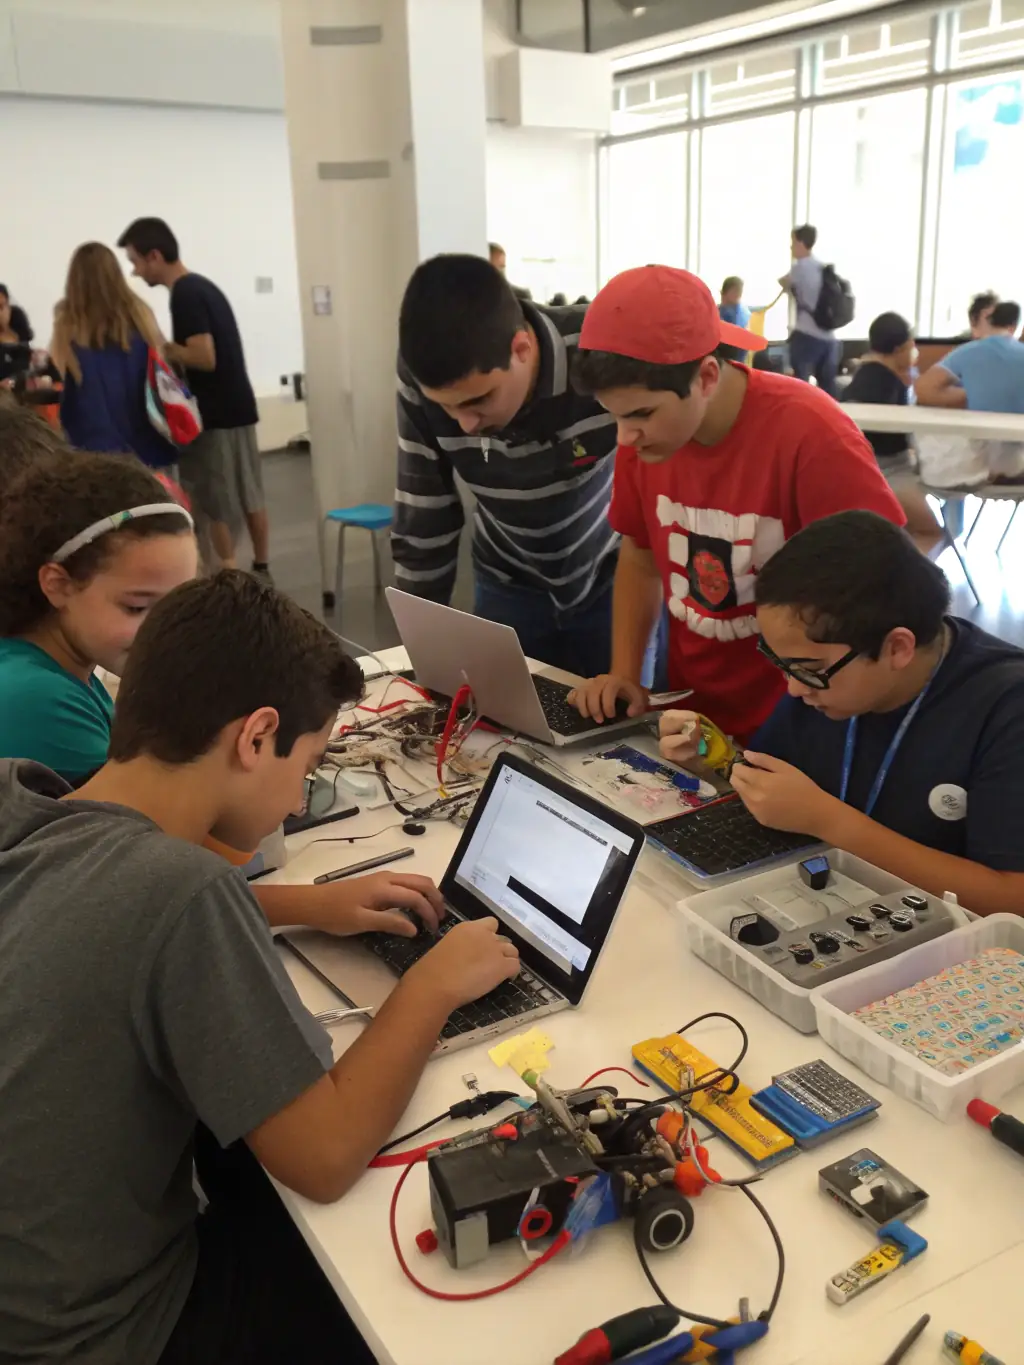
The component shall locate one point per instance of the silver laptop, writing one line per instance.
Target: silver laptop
(449, 649)
(549, 861)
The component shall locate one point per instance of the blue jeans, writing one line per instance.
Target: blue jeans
(815, 356)
(578, 640)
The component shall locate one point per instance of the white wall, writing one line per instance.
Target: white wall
(542, 208)
(541, 187)
(82, 170)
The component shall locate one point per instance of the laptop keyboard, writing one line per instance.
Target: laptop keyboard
(723, 837)
(526, 992)
(561, 716)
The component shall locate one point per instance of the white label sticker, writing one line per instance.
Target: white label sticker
(948, 801)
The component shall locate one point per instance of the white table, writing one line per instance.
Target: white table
(924, 421)
(649, 984)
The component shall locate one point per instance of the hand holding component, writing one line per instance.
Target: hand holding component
(679, 737)
(782, 797)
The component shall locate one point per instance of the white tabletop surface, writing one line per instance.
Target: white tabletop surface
(922, 421)
(648, 984)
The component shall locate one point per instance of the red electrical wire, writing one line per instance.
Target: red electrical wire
(561, 1241)
(409, 1156)
(464, 694)
(604, 1072)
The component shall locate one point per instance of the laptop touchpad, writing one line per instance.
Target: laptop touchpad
(345, 964)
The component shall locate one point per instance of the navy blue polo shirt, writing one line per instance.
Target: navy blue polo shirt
(957, 780)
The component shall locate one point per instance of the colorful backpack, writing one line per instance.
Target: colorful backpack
(170, 407)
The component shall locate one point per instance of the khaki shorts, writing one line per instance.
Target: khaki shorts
(220, 472)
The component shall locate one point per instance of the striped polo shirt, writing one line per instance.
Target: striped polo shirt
(542, 485)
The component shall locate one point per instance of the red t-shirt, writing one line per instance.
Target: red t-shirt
(712, 515)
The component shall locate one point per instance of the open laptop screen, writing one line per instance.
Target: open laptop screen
(551, 864)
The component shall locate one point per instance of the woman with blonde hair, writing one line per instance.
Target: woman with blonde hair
(101, 339)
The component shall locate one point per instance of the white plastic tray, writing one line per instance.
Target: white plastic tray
(943, 1096)
(707, 916)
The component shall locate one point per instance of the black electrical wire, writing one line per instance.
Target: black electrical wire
(473, 1107)
(719, 1074)
(715, 1077)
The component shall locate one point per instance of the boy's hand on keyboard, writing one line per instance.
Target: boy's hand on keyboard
(469, 961)
(598, 698)
(373, 904)
(679, 736)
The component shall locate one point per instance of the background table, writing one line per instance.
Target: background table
(647, 984)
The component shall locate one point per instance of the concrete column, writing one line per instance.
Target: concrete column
(387, 129)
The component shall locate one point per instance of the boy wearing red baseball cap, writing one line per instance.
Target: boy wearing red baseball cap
(717, 466)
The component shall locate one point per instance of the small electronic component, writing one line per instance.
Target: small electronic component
(825, 943)
(880, 911)
(917, 905)
(870, 1188)
(826, 1091)
(802, 953)
(861, 923)
(897, 1246)
(901, 921)
(815, 872)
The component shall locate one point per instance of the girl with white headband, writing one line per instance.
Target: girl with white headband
(87, 546)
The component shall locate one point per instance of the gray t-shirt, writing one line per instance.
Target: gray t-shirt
(805, 281)
(139, 992)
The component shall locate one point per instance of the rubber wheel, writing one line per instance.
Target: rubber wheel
(664, 1219)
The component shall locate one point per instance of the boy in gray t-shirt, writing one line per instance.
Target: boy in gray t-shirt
(141, 995)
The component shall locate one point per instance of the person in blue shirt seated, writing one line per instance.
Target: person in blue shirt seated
(985, 375)
(731, 308)
(901, 738)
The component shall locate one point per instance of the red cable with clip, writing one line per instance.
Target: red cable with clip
(561, 1241)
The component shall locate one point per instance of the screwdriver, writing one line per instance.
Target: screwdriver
(618, 1336)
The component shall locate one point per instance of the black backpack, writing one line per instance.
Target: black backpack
(836, 305)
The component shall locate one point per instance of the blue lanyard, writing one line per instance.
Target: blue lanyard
(890, 753)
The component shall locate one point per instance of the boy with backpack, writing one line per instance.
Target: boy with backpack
(824, 304)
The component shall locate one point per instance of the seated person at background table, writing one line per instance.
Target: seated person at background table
(731, 308)
(717, 467)
(984, 375)
(164, 1005)
(979, 310)
(483, 392)
(15, 327)
(901, 738)
(63, 615)
(884, 376)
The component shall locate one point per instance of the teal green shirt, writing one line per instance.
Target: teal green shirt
(49, 715)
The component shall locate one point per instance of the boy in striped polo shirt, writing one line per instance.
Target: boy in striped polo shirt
(484, 392)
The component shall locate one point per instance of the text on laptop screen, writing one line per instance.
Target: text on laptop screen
(545, 867)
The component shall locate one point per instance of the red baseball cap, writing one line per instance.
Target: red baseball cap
(662, 315)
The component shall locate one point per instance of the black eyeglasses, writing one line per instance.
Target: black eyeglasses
(807, 677)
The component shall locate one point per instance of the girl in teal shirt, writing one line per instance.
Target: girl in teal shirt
(77, 576)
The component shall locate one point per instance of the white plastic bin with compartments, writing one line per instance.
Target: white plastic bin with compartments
(706, 917)
(944, 1096)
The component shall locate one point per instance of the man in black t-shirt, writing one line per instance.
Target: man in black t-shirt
(884, 376)
(221, 470)
(901, 737)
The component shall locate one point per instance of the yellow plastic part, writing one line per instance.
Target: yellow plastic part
(668, 1058)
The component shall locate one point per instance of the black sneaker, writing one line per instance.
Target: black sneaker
(262, 572)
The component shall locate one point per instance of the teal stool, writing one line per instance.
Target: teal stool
(366, 516)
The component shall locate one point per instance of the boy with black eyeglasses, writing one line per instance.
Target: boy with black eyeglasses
(901, 736)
